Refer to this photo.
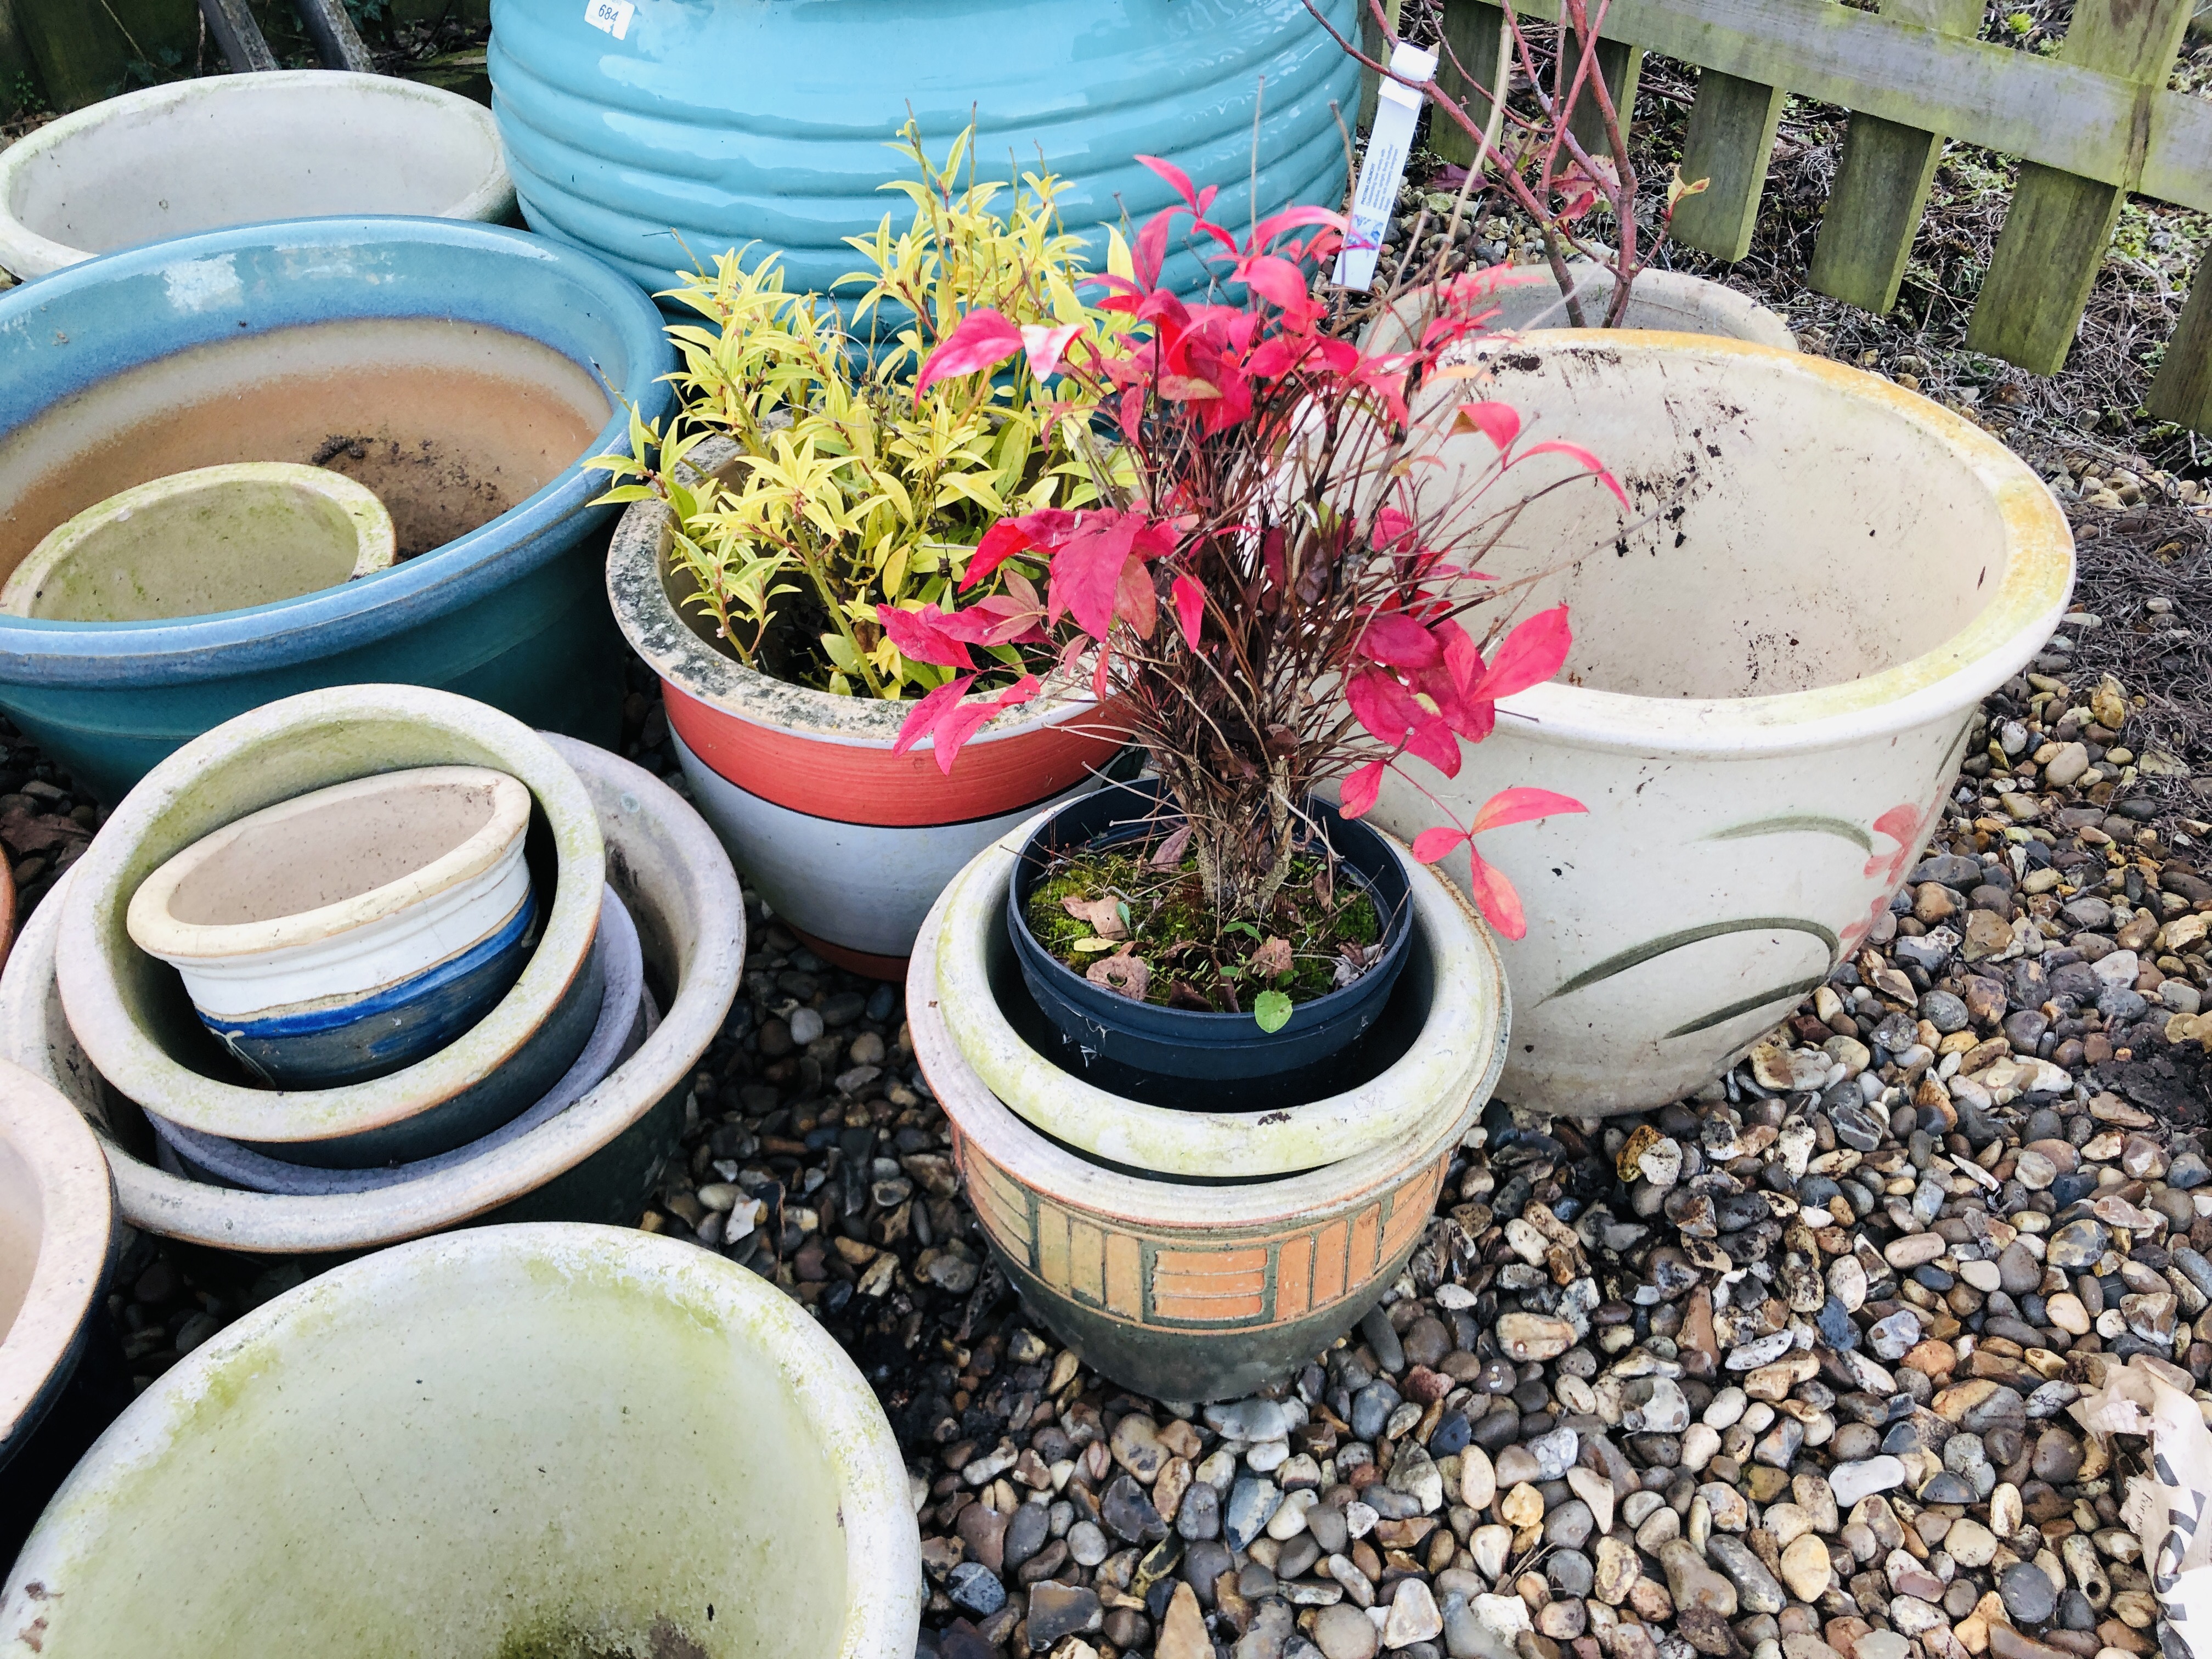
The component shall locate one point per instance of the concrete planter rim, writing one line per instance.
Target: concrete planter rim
(130, 850)
(375, 540)
(1456, 1048)
(1959, 672)
(1167, 1201)
(30, 255)
(76, 1246)
(260, 1222)
(317, 251)
(874, 1509)
(638, 591)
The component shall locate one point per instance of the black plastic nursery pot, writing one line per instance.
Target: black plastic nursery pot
(1179, 1057)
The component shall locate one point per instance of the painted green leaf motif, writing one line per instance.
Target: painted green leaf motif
(1272, 1009)
(1797, 823)
(1636, 956)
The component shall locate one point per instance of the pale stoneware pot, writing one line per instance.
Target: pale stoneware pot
(1776, 658)
(848, 843)
(61, 1373)
(1452, 1052)
(1669, 301)
(487, 1430)
(596, 1161)
(1200, 1288)
(124, 1005)
(230, 149)
(215, 539)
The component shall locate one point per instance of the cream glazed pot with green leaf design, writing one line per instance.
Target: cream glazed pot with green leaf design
(1779, 646)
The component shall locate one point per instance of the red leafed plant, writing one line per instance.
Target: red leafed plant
(1280, 596)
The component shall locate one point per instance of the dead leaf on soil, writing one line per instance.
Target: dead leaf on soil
(1103, 916)
(26, 833)
(1170, 851)
(1123, 974)
(1272, 958)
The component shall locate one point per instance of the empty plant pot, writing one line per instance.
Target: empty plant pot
(847, 843)
(598, 1160)
(227, 149)
(61, 1371)
(627, 1018)
(130, 1010)
(215, 539)
(339, 936)
(1777, 655)
(486, 1429)
(459, 371)
(1204, 1286)
(1206, 1061)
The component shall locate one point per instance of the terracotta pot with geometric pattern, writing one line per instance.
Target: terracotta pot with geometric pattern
(1198, 1288)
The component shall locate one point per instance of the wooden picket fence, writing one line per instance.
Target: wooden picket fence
(2089, 125)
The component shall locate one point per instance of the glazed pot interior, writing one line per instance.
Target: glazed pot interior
(450, 423)
(23, 1224)
(514, 1452)
(329, 853)
(230, 155)
(1786, 533)
(220, 545)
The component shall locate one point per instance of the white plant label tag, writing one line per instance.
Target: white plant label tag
(611, 16)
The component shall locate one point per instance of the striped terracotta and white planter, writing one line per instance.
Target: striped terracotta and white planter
(1202, 1287)
(848, 843)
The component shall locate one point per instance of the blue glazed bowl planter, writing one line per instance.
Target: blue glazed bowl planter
(725, 122)
(461, 371)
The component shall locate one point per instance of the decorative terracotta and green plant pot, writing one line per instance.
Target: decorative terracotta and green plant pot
(649, 150)
(485, 1430)
(1197, 1256)
(597, 1160)
(1774, 666)
(62, 1372)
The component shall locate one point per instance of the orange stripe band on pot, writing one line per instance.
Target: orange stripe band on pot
(863, 782)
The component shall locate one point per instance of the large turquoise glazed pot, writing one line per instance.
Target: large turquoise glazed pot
(711, 124)
(461, 371)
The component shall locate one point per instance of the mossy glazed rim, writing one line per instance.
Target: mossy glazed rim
(375, 540)
(1460, 1046)
(570, 1273)
(287, 748)
(680, 888)
(77, 1247)
(58, 335)
(1956, 673)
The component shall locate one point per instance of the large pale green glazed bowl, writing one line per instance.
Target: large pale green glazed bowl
(506, 1443)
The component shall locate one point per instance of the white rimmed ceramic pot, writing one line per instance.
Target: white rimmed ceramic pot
(346, 932)
(848, 843)
(1778, 651)
(597, 1160)
(485, 1428)
(130, 1011)
(212, 539)
(1441, 1057)
(1192, 1287)
(230, 149)
(61, 1371)
(627, 1018)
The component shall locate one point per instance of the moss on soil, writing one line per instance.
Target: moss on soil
(1173, 930)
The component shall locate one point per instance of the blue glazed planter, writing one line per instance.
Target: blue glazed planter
(725, 122)
(459, 370)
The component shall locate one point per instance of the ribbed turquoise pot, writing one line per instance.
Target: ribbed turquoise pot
(724, 122)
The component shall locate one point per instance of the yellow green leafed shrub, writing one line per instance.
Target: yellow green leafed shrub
(848, 491)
